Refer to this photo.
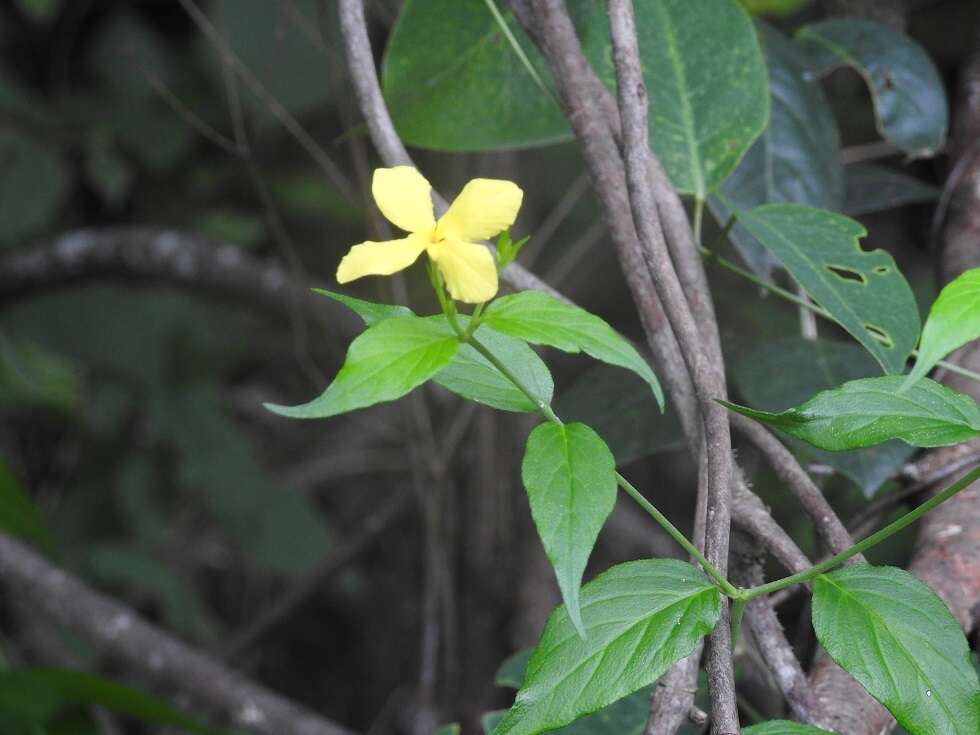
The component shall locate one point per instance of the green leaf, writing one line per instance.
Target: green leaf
(370, 312)
(907, 91)
(774, 7)
(541, 319)
(451, 55)
(783, 727)
(33, 184)
(451, 728)
(621, 409)
(627, 716)
(453, 82)
(22, 690)
(511, 671)
(896, 637)
(19, 516)
(873, 188)
(865, 412)
(954, 320)
(641, 617)
(31, 375)
(863, 291)
(570, 476)
(471, 375)
(707, 82)
(384, 363)
(795, 160)
(776, 374)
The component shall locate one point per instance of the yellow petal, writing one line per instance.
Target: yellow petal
(468, 269)
(379, 258)
(483, 208)
(404, 198)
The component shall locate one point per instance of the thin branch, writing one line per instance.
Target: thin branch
(120, 633)
(706, 374)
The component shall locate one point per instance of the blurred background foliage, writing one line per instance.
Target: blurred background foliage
(134, 449)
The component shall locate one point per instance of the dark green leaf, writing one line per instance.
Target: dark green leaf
(570, 476)
(641, 617)
(31, 375)
(19, 516)
(33, 183)
(21, 690)
(863, 291)
(707, 82)
(872, 410)
(471, 375)
(873, 188)
(897, 638)
(620, 407)
(778, 374)
(627, 716)
(954, 320)
(384, 363)
(451, 728)
(453, 81)
(542, 319)
(783, 727)
(796, 158)
(908, 93)
(370, 312)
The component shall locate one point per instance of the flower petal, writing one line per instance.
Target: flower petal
(483, 208)
(379, 258)
(468, 268)
(404, 197)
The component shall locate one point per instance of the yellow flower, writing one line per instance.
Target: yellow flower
(483, 208)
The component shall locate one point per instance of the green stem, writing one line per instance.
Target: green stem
(698, 219)
(875, 538)
(783, 293)
(719, 579)
(738, 607)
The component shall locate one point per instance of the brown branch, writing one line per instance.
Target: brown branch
(825, 520)
(148, 255)
(707, 377)
(167, 662)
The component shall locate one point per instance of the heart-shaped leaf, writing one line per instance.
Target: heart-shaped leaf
(570, 476)
(897, 638)
(542, 319)
(640, 617)
(954, 320)
(388, 360)
(908, 93)
(796, 157)
(864, 292)
(866, 412)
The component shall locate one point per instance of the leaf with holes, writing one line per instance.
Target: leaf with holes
(897, 638)
(870, 411)
(542, 319)
(907, 91)
(471, 375)
(796, 158)
(388, 360)
(954, 320)
(872, 188)
(863, 291)
(641, 617)
(783, 727)
(570, 476)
